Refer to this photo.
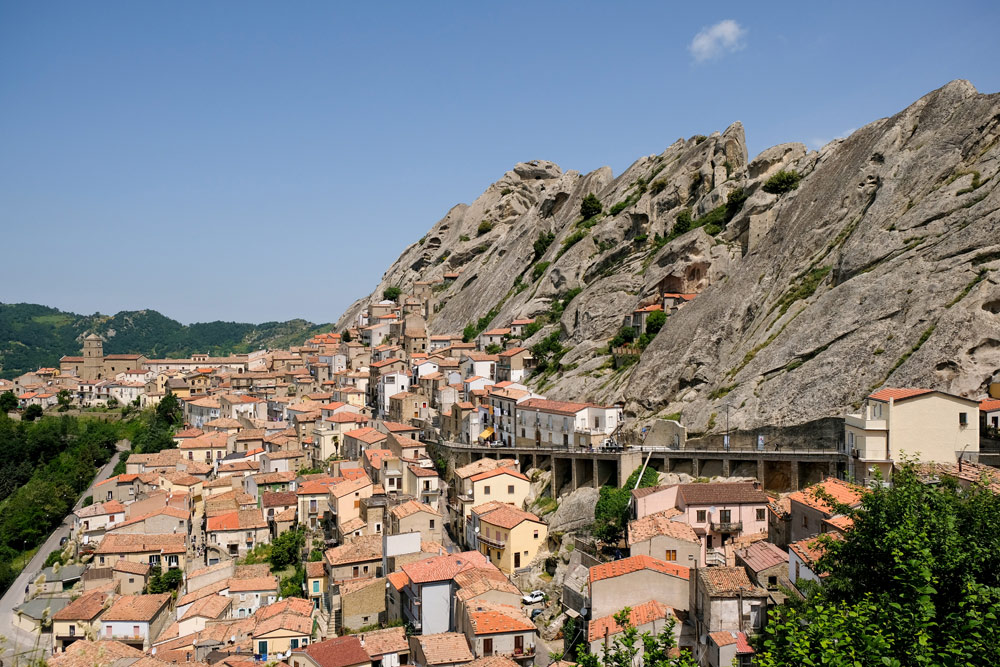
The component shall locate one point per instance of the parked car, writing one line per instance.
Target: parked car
(536, 613)
(62, 540)
(533, 597)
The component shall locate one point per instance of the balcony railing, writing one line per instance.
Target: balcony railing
(493, 541)
(727, 526)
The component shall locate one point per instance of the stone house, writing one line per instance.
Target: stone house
(362, 604)
(238, 532)
(660, 536)
(135, 620)
(444, 649)
(413, 516)
(724, 599)
(499, 629)
(628, 582)
(509, 537)
(808, 510)
(651, 617)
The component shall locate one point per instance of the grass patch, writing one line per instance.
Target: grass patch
(980, 276)
(720, 392)
(807, 285)
(539, 269)
(570, 241)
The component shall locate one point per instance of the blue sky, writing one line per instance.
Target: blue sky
(149, 149)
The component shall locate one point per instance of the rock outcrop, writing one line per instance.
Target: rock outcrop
(882, 266)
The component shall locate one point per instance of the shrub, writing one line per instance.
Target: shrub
(655, 322)
(539, 269)
(505, 192)
(782, 182)
(542, 243)
(463, 238)
(683, 223)
(656, 187)
(484, 227)
(590, 206)
(493, 348)
(571, 240)
(625, 335)
(531, 329)
(391, 293)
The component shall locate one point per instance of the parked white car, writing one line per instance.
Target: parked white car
(533, 597)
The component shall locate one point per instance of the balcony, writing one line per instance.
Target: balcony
(859, 421)
(727, 526)
(493, 541)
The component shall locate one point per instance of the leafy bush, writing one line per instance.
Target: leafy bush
(571, 240)
(655, 322)
(683, 223)
(391, 293)
(590, 206)
(505, 192)
(285, 549)
(542, 243)
(484, 227)
(463, 238)
(782, 182)
(538, 269)
(548, 352)
(624, 336)
(656, 187)
(493, 348)
(531, 329)
(33, 412)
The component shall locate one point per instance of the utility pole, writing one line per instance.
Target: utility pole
(727, 425)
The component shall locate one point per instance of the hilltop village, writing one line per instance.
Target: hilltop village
(382, 497)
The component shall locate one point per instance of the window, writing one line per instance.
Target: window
(315, 587)
(486, 490)
(72, 631)
(536, 534)
(725, 516)
(431, 524)
(510, 490)
(761, 515)
(131, 580)
(671, 554)
(365, 569)
(295, 643)
(135, 630)
(963, 418)
(701, 516)
(805, 521)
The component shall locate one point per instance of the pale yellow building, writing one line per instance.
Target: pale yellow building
(509, 537)
(922, 424)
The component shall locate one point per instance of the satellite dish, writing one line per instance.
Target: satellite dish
(477, 530)
(712, 509)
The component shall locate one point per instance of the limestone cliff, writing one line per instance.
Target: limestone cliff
(881, 267)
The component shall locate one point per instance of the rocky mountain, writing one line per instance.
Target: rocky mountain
(33, 336)
(881, 266)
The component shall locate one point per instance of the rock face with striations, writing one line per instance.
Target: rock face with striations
(881, 267)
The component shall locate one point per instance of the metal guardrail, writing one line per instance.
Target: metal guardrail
(571, 449)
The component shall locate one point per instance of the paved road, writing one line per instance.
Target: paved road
(20, 645)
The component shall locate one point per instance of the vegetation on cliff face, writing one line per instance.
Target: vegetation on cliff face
(34, 336)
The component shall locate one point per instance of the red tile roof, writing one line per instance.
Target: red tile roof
(498, 471)
(442, 568)
(728, 582)
(761, 555)
(841, 491)
(618, 568)
(989, 404)
(640, 615)
(136, 607)
(487, 618)
(898, 394)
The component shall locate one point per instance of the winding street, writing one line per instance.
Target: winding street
(20, 645)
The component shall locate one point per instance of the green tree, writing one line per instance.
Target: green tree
(629, 645)
(493, 348)
(683, 223)
(916, 581)
(346, 336)
(286, 549)
(543, 242)
(8, 402)
(64, 398)
(32, 412)
(291, 586)
(391, 293)
(611, 513)
(168, 410)
(655, 322)
(590, 206)
(469, 332)
(484, 227)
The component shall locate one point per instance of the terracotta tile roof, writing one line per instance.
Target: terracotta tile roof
(442, 568)
(84, 608)
(476, 581)
(239, 520)
(337, 652)
(297, 606)
(898, 394)
(212, 606)
(123, 478)
(380, 642)
(170, 511)
(315, 569)
(114, 543)
(131, 568)
(761, 555)
(481, 465)
(811, 549)
(293, 623)
(398, 579)
(640, 615)
(188, 433)
(989, 404)
(728, 582)
(555, 407)
(653, 525)
(506, 516)
(445, 648)
(211, 589)
(100, 509)
(730, 637)
(411, 507)
(366, 435)
(278, 498)
(396, 427)
(498, 471)
(496, 332)
(420, 471)
(839, 523)
(253, 584)
(341, 489)
(488, 618)
(352, 525)
(376, 456)
(142, 608)
(722, 493)
(841, 491)
(86, 653)
(364, 548)
(632, 564)
(210, 568)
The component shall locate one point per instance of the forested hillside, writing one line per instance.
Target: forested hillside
(33, 336)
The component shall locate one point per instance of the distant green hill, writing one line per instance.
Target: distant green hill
(34, 336)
